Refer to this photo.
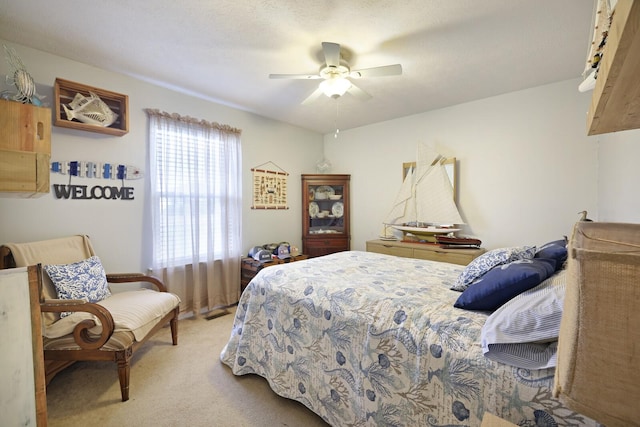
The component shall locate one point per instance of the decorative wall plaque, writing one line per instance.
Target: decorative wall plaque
(269, 187)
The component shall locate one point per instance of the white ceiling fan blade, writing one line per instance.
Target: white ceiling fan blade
(331, 53)
(315, 95)
(385, 70)
(358, 93)
(295, 76)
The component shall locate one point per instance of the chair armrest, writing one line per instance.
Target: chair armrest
(136, 277)
(6, 259)
(81, 330)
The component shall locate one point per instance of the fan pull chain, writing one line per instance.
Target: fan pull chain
(335, 135)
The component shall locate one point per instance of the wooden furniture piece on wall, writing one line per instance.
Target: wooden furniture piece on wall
(249, 267)
(614, 103)
(424, 251)
(325, 217)
(83, 343)
(23, 399)
(64, 91)
(25, 149)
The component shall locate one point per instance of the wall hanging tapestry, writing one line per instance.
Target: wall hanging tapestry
(269, 187)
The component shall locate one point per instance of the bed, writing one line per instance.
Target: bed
(366, 339)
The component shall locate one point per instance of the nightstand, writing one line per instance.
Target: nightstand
(249, 267)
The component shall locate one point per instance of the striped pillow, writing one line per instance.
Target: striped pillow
(524, 331)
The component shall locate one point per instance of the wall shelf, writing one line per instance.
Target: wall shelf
(25, 149)
(65, 91)
(615, 104)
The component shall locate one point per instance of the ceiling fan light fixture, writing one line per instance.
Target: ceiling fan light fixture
(335, 87)
(335, 74)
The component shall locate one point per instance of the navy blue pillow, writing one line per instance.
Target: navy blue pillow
(556, 250)
(504, 282)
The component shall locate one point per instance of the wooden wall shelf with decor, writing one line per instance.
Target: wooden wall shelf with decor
(25, 149)
(64, 91)
(614, 104)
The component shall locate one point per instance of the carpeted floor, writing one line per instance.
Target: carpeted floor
(186, 385)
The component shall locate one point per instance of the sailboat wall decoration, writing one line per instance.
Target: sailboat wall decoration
(425, 204)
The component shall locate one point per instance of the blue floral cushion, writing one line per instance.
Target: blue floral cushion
(487, 261)
(504, 282)
(85, 280)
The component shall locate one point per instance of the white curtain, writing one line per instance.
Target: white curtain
(196, 209)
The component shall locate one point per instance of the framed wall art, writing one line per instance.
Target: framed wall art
(83, 107)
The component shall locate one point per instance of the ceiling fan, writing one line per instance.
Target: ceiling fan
(335, 75)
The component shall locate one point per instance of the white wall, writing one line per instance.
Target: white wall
(117, 227)
(526, 166)
(619, 177)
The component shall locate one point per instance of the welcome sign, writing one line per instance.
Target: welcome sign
(95, 192)
(97, 170)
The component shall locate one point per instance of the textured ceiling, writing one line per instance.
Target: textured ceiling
(451, 51)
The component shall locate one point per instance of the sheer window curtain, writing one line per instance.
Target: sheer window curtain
(196, 209)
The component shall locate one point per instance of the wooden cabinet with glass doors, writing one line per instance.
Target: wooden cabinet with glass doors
(325, 214)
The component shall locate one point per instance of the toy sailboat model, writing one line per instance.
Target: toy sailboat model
(425, 204)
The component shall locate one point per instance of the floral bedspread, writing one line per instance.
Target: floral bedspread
(365, 339)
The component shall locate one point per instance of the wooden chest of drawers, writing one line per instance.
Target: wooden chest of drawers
(424, 251)
(324, 246)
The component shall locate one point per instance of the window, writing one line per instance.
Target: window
(195, 190)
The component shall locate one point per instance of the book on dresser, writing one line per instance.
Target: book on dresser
(458, 242)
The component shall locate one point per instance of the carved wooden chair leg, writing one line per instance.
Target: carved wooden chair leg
(174, 327)
(123, 358)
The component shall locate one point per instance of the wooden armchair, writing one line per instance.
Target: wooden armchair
(111, 329)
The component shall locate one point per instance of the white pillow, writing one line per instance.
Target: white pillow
(524, 331)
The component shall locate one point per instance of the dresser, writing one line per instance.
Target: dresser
(424, 251)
